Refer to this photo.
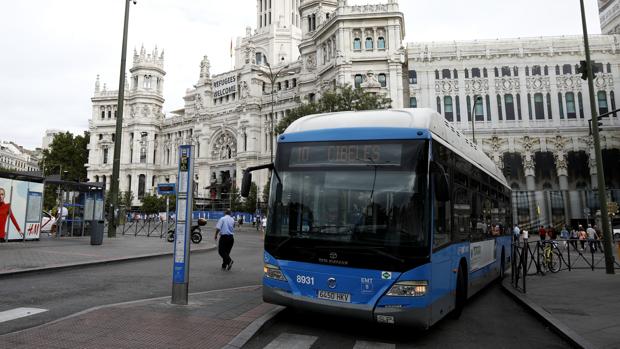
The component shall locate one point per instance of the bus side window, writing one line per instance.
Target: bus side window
(442, 225)
(462, 213)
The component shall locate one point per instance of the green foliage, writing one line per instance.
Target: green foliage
(337, 100)
(235, 199)
(67, 154)
(266, 192)
(153, 204)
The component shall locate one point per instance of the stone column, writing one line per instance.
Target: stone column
(561, 165)
(593, 171)
(530, 181)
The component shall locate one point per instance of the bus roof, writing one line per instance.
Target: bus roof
(415, 118)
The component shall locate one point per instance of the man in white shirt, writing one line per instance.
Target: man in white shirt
(225, 227)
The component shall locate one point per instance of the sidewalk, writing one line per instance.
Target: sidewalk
(584, 305)
(214, 319)
(64, 252)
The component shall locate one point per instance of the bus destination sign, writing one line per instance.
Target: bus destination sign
(345, 155)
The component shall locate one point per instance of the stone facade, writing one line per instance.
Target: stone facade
(532, 119)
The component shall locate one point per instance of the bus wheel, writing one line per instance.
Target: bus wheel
(461, 292)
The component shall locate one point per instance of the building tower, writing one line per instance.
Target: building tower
(609, 15)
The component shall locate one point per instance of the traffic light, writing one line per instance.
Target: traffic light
(583, 70)
(599, 123)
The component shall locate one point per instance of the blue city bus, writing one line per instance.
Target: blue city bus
(390, 216)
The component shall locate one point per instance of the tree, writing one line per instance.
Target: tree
(337, 100)
(153, 204)
(66, 154)
(266, 192)
(250, 202)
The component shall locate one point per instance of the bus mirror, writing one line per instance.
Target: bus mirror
(246, 183)
(442, 188)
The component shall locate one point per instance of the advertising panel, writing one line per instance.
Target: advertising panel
(20, 209)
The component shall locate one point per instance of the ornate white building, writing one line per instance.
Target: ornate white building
(16, 158)
(532, 118)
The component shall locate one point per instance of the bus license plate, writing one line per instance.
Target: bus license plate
(335, 296)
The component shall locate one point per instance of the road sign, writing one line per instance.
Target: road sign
(166, 189)
(180, 271)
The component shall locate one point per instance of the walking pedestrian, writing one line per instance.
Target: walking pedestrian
(582, 235)
(542, 233)
(599, 238)
(574, 236)
(516, 232)
(591, 238)
(225, 227)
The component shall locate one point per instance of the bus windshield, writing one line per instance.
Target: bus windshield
(358, 201)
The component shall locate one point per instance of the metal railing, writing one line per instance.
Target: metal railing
(533, 258)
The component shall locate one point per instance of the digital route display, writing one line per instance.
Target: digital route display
(364, 154)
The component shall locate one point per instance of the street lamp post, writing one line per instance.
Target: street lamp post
(272, 78)
(119, 130)
(607, 237)
(473, 118)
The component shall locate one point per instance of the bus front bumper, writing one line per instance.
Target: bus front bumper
(410, 317)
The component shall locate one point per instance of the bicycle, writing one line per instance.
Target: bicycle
(552, 260)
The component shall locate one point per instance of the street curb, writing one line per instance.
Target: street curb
(567, 333)
(244, 336)
(88, 264)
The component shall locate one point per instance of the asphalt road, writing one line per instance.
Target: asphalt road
(490, 320)
(65, 292)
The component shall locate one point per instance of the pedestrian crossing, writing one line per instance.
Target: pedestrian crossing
(299, 341)
(17, 313)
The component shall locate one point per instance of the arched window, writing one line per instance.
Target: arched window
(515, 71)
(561, 105)
(519, 106)
(382, 80)
(571, 112)
(458, 109)
(103, 179)
(510, 107)
(546, 70)
(413, 77)
(527, 71)
(96, 179)
(557, 69)
(468, 101)
(455, 74)
(612, 97)
(484, 73)
(439, 105)
(466, 74)
(529, 105)
(381, 43)
(357, 44)
(549, 106)
(475, 72)
(447, 105)
(536, 70)
(488, 100)
(413, 102)
(358, 80)
(479, 108)
(567, 69)
(141, 186)
(499, 107)
(539, 106)
(496, 71)
(608, 68)
(153, 181)
(580, 100)
(436, 74)
(369, 44)
(259, 58)
(129, 183)
(602, 102)
(445, 74)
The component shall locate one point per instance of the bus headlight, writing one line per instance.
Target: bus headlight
(273, 272)
(409, 289)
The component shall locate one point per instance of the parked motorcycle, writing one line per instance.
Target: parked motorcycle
(196, 232)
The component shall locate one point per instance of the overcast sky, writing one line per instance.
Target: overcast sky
(52, 51)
